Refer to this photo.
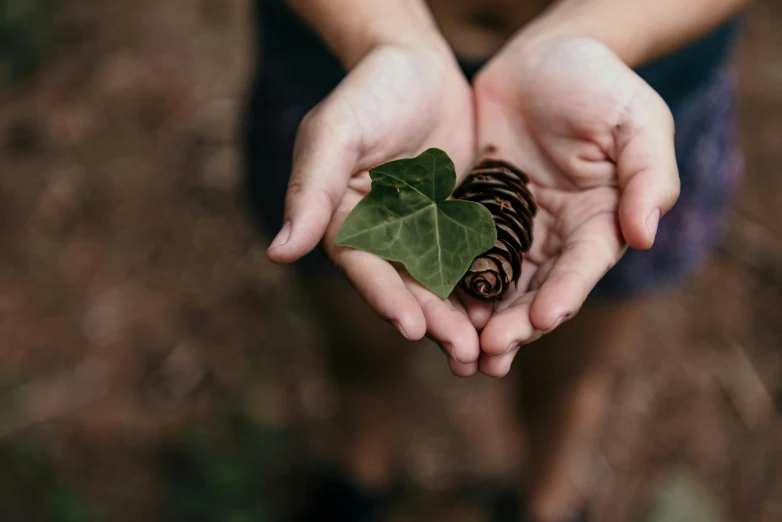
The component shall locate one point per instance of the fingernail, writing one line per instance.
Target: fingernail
(450, 351)
(399, 327)
(283, 236)
(652, 221)
(558, 322)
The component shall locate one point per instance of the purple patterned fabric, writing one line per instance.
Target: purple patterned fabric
(710, 168)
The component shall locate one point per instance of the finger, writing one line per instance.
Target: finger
(457, 368)
(325, 156)
(497, 365)
(462, 370)
(508, 329)
(529, 273)
(446, 323)
(380, 285)
(542, 273)
(586, 257)
(647, 170)
(376, 280)
(478, 311)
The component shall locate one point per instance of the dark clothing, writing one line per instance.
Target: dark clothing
(295, 71)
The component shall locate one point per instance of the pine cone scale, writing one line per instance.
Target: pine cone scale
(504, 265)
(502, 189)
(523, 221)
(512, 244)
(483, 279)
(497, 164)
(521, 233)
(503, 178)
(484, 183)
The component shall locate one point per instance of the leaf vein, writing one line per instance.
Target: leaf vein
(387, 223)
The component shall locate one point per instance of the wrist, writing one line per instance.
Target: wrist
(352, 48)
(576, 20)
(353, 28)
(637, 31)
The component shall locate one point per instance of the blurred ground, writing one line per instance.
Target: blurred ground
(154, 366)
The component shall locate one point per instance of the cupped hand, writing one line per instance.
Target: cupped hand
(597, 144)
(396, 102)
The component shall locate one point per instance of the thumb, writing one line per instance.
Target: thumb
(647, 170)
(324, 159)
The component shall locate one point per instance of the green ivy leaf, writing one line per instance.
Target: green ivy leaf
(406, 217)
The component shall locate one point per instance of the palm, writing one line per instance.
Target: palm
(567, 124)
(397, 108)
(396, 103)
(566, 220)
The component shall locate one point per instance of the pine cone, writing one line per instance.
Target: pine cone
(502, 188)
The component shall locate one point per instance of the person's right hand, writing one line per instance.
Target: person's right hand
(396, 102)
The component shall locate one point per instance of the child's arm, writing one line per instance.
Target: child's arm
(351, 28)
(404, 93)
(638, 31)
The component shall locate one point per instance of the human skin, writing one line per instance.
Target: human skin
(559, 98)
(405, 93)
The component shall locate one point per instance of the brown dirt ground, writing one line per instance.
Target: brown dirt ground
(135, 300)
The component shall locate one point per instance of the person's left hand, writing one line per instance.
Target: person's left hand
(597, 144)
